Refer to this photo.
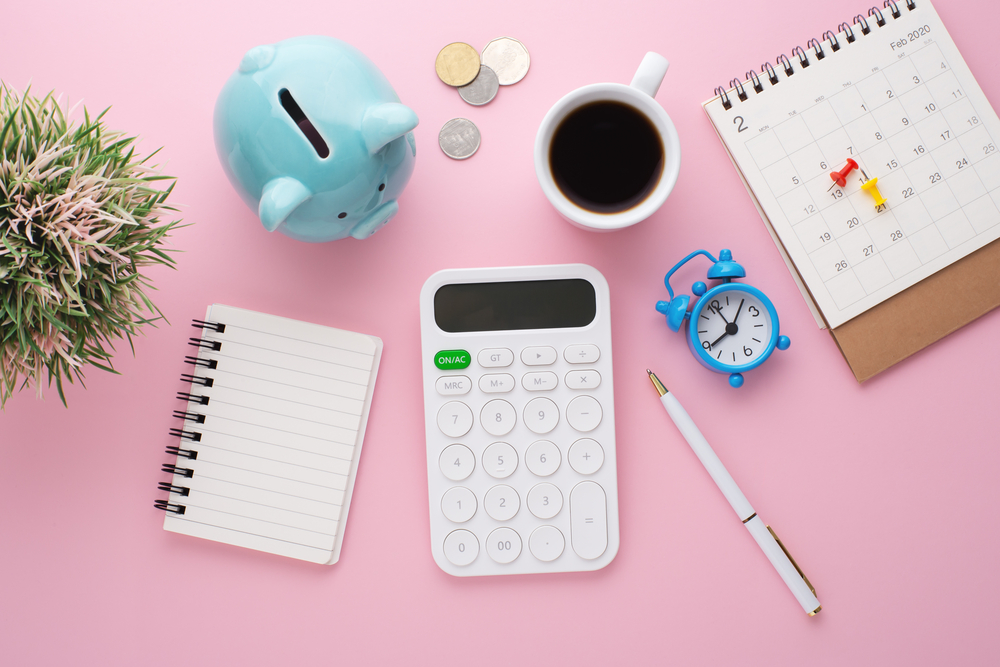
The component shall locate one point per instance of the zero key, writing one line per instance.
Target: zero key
(588, 511)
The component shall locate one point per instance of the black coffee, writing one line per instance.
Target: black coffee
(606, 157)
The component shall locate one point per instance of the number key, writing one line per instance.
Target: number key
(498, 417)
(459, 504)
(541, 415)
(542, 458)
(502, 502)
(503, 545)
(545, 500)
(457, 462)
(454, 419)
(500, 460)
(461, 547)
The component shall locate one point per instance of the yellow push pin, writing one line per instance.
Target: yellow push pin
(870, 185)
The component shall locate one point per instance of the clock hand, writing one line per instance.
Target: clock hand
(719, 313)
(711, 345)
(738, 311)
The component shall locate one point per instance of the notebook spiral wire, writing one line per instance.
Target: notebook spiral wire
(737, 90)
(189, 419)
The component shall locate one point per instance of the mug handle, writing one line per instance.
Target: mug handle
(650, 74)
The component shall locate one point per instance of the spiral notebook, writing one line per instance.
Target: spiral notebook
(887, 106)
(270, 433)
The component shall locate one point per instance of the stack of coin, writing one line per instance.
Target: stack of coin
(504, 62)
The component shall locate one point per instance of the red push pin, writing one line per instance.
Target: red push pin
(840, 177)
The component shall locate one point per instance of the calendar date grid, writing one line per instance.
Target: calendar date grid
(910, 125)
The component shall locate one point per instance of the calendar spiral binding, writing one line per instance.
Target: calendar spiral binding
(189, 418)
(800, 60)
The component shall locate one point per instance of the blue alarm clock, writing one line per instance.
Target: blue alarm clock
(733, 327)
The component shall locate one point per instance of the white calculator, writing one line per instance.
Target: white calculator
(520, 419)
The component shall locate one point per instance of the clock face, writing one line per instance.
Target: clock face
(733, 327)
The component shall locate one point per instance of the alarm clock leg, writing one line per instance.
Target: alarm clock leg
(736, 380)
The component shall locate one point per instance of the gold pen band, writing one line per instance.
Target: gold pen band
(794, 564)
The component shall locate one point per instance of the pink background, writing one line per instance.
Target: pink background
(885, 493)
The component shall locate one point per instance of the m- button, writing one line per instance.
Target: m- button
(582, 354)
(543, 381)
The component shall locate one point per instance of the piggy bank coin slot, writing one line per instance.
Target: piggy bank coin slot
(303, 123)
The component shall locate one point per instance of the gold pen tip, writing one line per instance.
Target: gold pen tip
(656, 383)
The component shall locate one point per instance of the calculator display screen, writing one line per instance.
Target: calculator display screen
(508, 306)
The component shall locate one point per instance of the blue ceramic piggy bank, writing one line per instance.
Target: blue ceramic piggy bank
(314, 139)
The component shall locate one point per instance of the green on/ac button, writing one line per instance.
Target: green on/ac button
(448, 360)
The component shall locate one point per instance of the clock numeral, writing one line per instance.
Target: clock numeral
(705, 344)
(753, 311)
(715, 306)
(747, 351)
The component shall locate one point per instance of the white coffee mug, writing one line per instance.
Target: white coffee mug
(638, 95)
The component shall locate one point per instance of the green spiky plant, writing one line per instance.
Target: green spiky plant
(80, 217)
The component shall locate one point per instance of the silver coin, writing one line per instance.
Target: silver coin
(508, 58)
(483, 88)
(459, 138)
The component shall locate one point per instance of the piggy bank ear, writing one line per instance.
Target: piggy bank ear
(279, 199)
(385, 122)
(257, 58)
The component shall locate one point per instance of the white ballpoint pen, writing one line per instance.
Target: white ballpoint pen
(766, 538)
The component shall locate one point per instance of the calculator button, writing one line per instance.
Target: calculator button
(453, 385)
(586, 456)
(546, 543)
(503, 545)
(538, 356)
(582, 354)
(541, 415)
(498, 417)
(542, 458)
(588, 513)
(496, 383)
(584, 413)
(495, 357)
(454, 419)
(448, 360)
(539, 381)
(499, 460)
(457, 462)
(583, 379)
(458, 504)
(545, 500)
(461, 547)
(502, 502)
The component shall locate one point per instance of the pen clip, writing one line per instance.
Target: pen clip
(792, 560)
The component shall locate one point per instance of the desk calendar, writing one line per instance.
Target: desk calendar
(891, 93)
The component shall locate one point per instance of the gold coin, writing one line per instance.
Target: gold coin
(457, 64)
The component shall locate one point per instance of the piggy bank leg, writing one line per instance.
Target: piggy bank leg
(375, 220)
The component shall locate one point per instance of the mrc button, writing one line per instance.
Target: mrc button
(448, 360)
(453, 385)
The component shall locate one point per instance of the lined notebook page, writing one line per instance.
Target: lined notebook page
(282, 434)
